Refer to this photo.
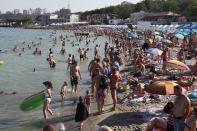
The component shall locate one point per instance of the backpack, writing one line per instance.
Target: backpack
(103, 82)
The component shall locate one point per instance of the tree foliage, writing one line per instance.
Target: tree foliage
(186, 7)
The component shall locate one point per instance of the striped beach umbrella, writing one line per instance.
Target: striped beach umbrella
(175, 64)
(161, 87)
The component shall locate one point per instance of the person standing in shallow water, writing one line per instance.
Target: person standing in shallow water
(47, 98)
(69, 60)
(75, 73)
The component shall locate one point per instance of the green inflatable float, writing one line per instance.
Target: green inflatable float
(32, 102)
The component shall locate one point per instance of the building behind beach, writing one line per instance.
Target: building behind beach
(162, 17)
(156, 18)
(59, 17)
(103, 18)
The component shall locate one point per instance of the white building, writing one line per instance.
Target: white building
(115, 21)
(53, 16)
(74, 18)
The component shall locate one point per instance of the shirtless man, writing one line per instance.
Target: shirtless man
(114, 78)
(98, 78)
(180, 109)
(75, 73)
(92, 69)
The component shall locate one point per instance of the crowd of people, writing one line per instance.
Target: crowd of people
(106, 77)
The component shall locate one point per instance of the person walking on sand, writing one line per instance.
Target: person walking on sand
(75, 73)
(63, 91)
(180, 109)
(101, 90)
(92, 69)
(114, 78)
(47, 98)
(81, 113)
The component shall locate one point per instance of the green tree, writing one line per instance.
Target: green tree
(171, 5)
(193, 8)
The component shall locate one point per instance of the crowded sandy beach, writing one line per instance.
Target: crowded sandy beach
(143, 80)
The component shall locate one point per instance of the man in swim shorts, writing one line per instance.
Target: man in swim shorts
(75, 73)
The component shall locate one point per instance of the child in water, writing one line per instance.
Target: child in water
(87, 100)
(63, 91)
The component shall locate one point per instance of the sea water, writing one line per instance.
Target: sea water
(16, 75)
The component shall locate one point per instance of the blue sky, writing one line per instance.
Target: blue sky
(52, 5)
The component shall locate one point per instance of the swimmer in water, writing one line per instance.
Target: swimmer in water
(6, 93)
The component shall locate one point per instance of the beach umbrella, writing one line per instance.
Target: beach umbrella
(154, 51)
(161, 87)
(175, 64)
(179, 36)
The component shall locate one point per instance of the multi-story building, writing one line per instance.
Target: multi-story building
(25, 12)
(44, 11)
(31, 11)
(38, 11)
(65, 14)
(16, 11)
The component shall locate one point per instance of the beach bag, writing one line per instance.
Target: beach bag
(103, 84)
